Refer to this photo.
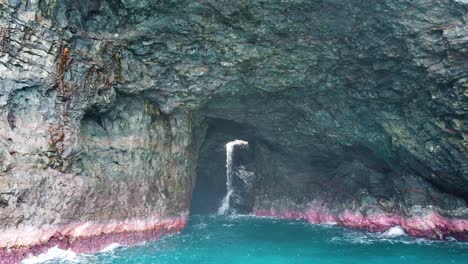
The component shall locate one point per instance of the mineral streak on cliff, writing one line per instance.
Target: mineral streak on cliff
(358, 107)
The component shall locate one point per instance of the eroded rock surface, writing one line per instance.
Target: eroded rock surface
(353, 105)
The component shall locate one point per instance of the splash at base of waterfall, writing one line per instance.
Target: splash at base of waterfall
(224, 208)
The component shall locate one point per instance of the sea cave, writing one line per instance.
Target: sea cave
(217, 131)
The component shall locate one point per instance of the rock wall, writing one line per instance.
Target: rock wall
(243, 180)
(353, 105)
(82, 165)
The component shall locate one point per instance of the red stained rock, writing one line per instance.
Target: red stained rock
(91, 242)
(432, 225)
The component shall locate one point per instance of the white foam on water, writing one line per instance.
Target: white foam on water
(54, 253)
(395, 231)
(224, 208)
(359, 239)
(201, 225)
(110, 247)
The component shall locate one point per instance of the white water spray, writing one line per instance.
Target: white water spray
(395, 231)
(54, 254)
(224, 208)
(110, 248)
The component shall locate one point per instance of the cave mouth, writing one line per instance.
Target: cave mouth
(225, 170)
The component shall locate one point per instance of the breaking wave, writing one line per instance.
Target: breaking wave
(56, 254)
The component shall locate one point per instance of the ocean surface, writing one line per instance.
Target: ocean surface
(251, 240)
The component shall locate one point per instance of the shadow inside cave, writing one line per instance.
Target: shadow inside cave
(211, 180)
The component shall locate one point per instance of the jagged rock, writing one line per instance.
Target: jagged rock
(343, 102)
(6, 160)
(243, 180)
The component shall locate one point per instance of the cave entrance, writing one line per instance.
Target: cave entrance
(225, 170)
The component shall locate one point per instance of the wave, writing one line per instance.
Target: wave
(395, 231)
(110, 247)
(55, 253)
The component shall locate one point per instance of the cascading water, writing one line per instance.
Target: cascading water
(224, 208)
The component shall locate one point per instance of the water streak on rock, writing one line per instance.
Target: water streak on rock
(224, 208)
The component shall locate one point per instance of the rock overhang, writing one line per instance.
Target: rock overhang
(366, 98)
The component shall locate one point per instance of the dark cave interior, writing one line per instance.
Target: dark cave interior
(210, 186)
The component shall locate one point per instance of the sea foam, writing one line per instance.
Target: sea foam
(54, 253)
(110, 247)
(395, 231)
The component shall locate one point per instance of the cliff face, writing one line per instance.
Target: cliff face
(82, 164)
(355, 106)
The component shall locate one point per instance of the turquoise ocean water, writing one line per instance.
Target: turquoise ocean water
(251, 240)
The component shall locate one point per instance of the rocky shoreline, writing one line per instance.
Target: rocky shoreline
(85, 237)
(430, 225)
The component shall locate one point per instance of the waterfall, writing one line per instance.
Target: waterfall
(224, 208)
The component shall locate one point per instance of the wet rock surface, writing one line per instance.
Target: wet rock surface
(243, 180)
(358, 104)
